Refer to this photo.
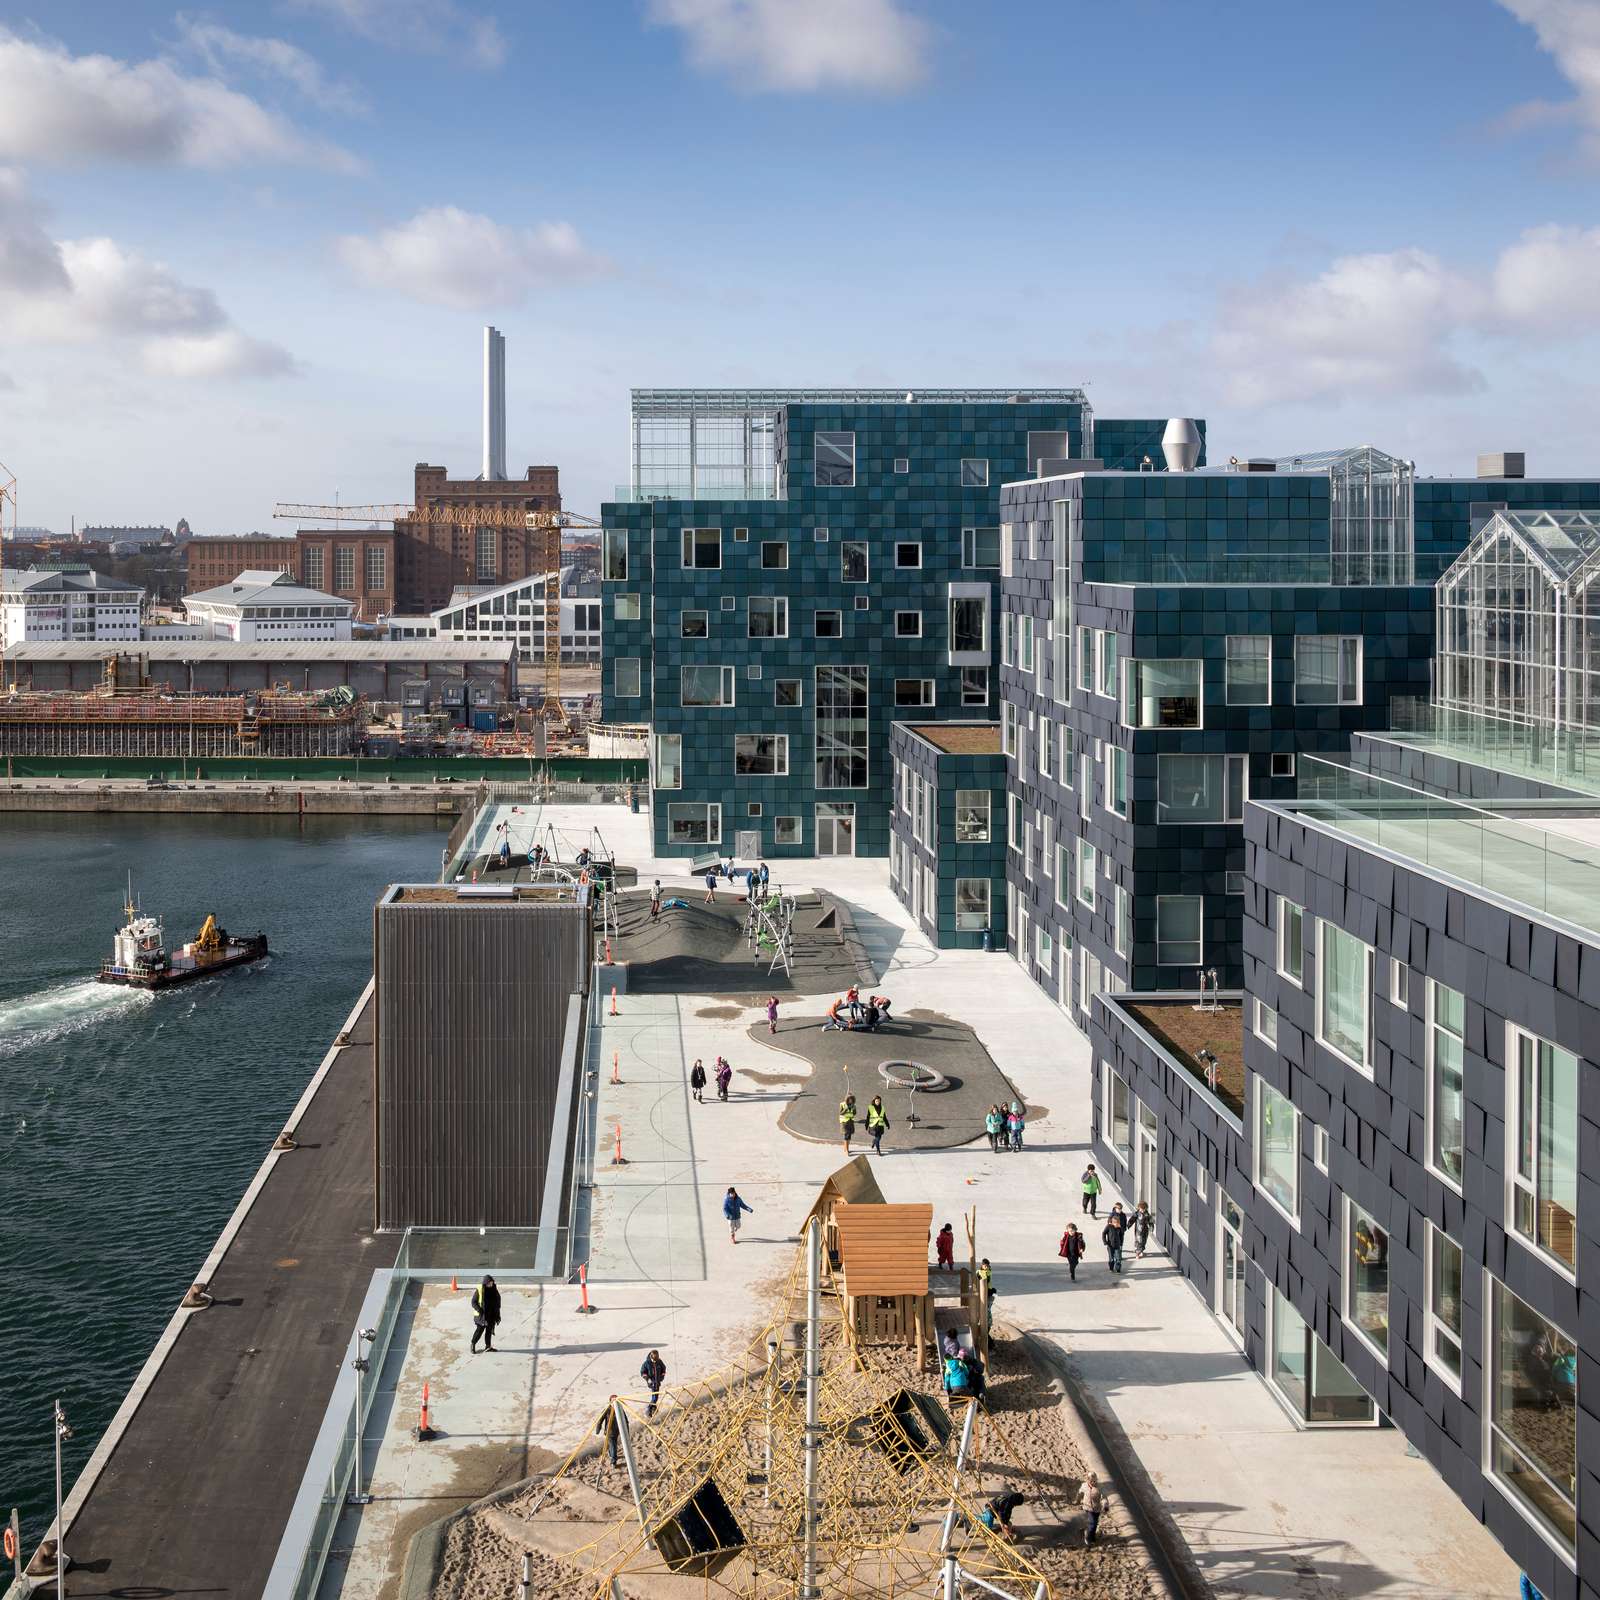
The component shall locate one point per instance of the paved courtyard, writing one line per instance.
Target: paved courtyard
(1264, 1508)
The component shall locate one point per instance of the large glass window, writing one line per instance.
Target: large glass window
(1446, 1040)
(1249, 669)
(1543, 1127)
(853, 561)
(626, 679)
(694, 822)
(1276, 1143)
(761, 755)
(1533, 1414)
(614, 555)
(1164, 694)
(980, 548)
(706, 686)
(974, 686)
(841, 702)
(1444, 1304)
(377, 568)
(972, 816)
(1327, 669)
(969, 623)
(669, 761)
(1179, 942)
(972, 905)
(1061, 599)
(1192, 788)
(834, 460)
(1292, 940)
(1345, 975)
(1316, 1384)
(344, 566)
(1366, 1276)
(1119, 1115)
(769, 616)
(702, 547)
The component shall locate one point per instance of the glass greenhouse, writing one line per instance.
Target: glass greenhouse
(1519, 622)
(1371, 505)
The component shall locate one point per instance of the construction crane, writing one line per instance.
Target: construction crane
(8, 497)
(547, 523)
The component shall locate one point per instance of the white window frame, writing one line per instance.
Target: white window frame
(780, 545)
(1430, 1069)
(1066, 868)
(816, 621)
(1340, 697)
(780, 756)
(1085, 858)
(971, 803)
(834, 435)
(637, 691)
(1106, 664)
(1046, 748)
(1432, 1322)
(728, 688)
(713, 810)
(1181, 1202)
(1014, 821)
(1399, 984)
(1347, 1283)
(899, 619)
(1161, 900)
(1088, 658)
(1285, 906)
(907, 544)
(780, 608)
(1365, 1067)
(1319, 1148)
(973, 480)
(1266, 1031)
(1116, 762)
(1227, 682)
(1122, 931)
(926, 691)
(1130, 680)
(969, 925)
(1046, 844)
(689, 545)
(1513, 1181)
(1256, 1108)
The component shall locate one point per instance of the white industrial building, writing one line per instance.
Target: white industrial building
(70, 604)
(266, 607)
(512, 613)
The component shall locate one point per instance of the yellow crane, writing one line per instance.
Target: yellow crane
(466, 515)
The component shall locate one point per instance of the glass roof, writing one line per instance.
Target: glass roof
(1360, 456)
(1561, 541)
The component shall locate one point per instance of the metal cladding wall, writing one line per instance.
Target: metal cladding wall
(472, 1000)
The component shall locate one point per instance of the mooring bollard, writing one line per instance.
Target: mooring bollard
(613, 999)
(617, 1159)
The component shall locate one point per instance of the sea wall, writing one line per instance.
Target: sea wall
(217, 799)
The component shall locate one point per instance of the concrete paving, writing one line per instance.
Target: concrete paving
(1265, 1508)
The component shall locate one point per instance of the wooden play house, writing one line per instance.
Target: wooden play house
(883, 1274)
(852, 1184)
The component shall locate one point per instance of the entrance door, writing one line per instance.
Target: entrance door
(1231, 1263)
(1147, 1158)
(747, 844)
(836, 827)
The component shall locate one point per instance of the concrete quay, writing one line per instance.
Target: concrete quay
(224, 798)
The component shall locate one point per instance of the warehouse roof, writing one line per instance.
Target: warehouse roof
(379, 650)
(264, 589)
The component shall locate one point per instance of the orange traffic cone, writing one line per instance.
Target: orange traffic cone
(616, 1073)
(613, 999)
(455, 1288)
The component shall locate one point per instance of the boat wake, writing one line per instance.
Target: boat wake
(68, 1008)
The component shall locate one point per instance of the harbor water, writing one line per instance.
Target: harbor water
(130, 1123)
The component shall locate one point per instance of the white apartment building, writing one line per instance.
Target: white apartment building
(268, 607)
(512, 613)
(75, 604)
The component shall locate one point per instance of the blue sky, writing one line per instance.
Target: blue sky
(246, 250)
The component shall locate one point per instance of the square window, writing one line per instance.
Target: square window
(741, 536)
(980, 548)
(786, 692)
(702, 548)
(974, 474)
(786, 830)
(902, 463)
(626, 608)
(753, 809)
(863, 603)
(828, 624)
(767, 616)
(819, 535)
(775, 555)
(908, 624)
(1327, 669)
(753, 670)
(834, 460)
(1164, 694)
(1233, 883)
(907, 553)
(1282, 765)
(729, 602)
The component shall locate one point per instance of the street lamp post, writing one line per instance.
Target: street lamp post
(365, 1336)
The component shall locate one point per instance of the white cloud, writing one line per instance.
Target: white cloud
(1545, 282)
(225, 51)
(424, 27)
(802, 45)
(87, 291)
(1569, 30)
(60, 109)
(449, 257)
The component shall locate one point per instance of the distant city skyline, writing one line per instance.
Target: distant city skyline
(246, 254)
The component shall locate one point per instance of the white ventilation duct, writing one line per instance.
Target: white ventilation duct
(1180, 444)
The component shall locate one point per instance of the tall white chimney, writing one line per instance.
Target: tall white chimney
(494, 404)
(1180, 444)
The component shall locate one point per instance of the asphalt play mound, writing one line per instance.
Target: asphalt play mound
(702, 949)
(847, 1062)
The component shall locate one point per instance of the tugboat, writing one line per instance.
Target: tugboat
(139, 956)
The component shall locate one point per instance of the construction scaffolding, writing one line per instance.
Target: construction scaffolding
(156, 722)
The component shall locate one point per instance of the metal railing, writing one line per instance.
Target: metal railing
(1536, 750)
(1250, 567)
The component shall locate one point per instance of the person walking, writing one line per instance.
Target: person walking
(986, 1288)
(1142, 1223)
(877, 1123)
(1113, 1235)
(655, 902)
(697, 1080)
(772, 1013)
(733, 1208)
(1073, 1245)
(945, 1245)
(847, 1120)
(1015, 1122)
(1091, 1191)
(993, 1123)
(724, 1078)
(711, 887)
(606, 1428)
(485, 1314)
(654, 1372)
(1093, 1503)
(764, 876)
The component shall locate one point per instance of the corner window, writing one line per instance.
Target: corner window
(972, 905)
(972, 816)
(627, 677)
(1248, 669)
(692, 624)
(974, 474)
(613, 555)
(774, 555)
(702, 548)
(907, 554)
(834, 460)
(1276, 1147)
(1443, 1270)
(1447, 1031)
(1179, 942)
(1292, 941)
(669, 761)
(980, 548)
(706, 686)
(1533, 1416)
(1327, 670)
(1164, 694)
(1366, 1278)
(786, 692)
(768, 617)
(908, 624)
(761, 755)
(694, 822)
(1344, 967)
(828, 624)
(853, 561)
(1542, 1131)
(626, 608)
